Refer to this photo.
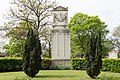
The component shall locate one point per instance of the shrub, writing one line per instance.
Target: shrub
(46, 62)
(32, 54)
(15, 64)
(112, 65)
(106, 64)
(10, 64)
(78, 63)
(115, 65)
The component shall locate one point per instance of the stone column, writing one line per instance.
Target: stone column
(60, 37)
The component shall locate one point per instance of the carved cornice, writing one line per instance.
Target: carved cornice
(60, 8)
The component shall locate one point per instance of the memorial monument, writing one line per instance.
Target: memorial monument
(60, 36)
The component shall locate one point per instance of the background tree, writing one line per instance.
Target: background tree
(93, 53)
(16, 37)
(32, 12)
(32, 54)
(78, 28)
(46, 37)
(35, 13)
(115, 40)
(116, 32)
(89, 33)
(106, 47)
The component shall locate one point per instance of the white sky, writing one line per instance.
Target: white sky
(107, 10)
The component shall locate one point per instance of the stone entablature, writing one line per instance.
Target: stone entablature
(60, 31)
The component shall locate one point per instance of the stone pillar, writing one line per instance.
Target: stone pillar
(60, 37)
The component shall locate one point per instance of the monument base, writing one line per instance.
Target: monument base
(61, 63)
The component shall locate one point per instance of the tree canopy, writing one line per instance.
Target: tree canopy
(17, 36)
(115, 40)
(32, 54)
(89, 33)
(116, 32)
(80, 27)
(34, 13)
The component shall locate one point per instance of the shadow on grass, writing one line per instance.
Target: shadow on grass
(55, 76)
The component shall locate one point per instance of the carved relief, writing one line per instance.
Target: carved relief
(60, 17)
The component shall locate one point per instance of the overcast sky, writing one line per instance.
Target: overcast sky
(107, 10)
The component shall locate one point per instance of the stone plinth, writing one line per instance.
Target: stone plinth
(61, 63)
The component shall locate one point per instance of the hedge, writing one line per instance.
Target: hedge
(112, 65)
(78, 63)
(15, 64)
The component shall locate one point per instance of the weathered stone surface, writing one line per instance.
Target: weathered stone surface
(60, 37)
(60, 8)
(60, 63)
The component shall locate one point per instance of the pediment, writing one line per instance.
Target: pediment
(60, 8)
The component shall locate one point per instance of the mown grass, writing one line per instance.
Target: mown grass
(58, 75)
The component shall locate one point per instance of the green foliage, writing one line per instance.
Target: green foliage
(16, 40)
(93, 54)
(32, 54)
(10, 64)
(45, 64)
(34, 13)
(46, 54)
(77, 35)
(89, 32)
(106, 65)
(80, 26)
(15, 64)
(14, 49)
(78, 63)
(107, 47)
(112, 65)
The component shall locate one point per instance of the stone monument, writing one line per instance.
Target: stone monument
(60, 37)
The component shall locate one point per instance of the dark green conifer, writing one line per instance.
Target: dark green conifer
(32, 54)
(93, 55)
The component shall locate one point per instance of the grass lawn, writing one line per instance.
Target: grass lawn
(56, 75)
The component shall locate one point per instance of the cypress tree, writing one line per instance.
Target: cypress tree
(32, 54)
(93, 55)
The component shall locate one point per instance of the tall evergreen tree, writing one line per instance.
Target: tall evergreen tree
(94, 55)
(89, 34)
(32, 54)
